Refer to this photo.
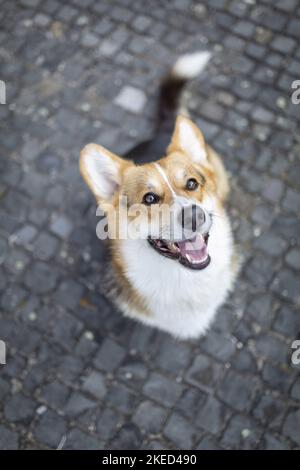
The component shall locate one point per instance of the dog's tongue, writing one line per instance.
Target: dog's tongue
(194, 250)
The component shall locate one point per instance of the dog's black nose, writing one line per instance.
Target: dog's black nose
(192, 217)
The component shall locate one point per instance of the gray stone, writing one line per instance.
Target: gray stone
(78, 440)
(287, 321)
(285, 284)
(283, 44)
(204, 373)
(273, 190)
(149, 417)
(95, 385)
(25, 235)
(61, 226)
(128, 438)
(89, 40)
(291, 201)
(41, 278)
(270, 442)
(269, 411)
(162, 389)
(291, 426)
(8, 438)
(78, 404)
(19, 408)
(180, 432)
(131, 99)
(50, 429)
(108, 423)
(45, 246)
(110, 356)
(241, 433)
(55, 394)
(238, 391)
(122, 398)
(212, 416)
(296, 390)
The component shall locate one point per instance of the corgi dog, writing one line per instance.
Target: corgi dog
(178, 271)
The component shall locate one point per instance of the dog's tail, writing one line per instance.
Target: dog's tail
(187, 67)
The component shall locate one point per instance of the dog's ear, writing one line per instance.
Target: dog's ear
(102, 171)
(188, 138)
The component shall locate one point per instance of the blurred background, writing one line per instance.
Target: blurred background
(77, 374)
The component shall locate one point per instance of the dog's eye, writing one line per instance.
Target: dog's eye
(150, 198)
(192, 184)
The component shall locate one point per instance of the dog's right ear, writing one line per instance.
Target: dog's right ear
(102, 171)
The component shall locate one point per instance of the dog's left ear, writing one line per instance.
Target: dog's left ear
(188, 138)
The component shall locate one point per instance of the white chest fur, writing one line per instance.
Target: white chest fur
(181, 301)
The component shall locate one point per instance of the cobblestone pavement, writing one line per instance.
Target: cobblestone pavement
(75, 367)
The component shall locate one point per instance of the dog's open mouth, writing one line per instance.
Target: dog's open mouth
(191, 253)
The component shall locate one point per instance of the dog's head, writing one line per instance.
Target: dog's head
(172, 201)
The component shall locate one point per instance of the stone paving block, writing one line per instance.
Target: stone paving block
(285, 284)
(8, 438)
(41, 278)
(78, 440)
(208, 443)
(283, 44)
(296, 390)
(19, 408)
(89, 40)
(271, 442)
(238, 390)
(272, 348)
(270, 411)
(241, 433)
(172, 356)
(162, 389)
(110, 356)
(149, 417)
(133, 372)
(212, 416)
(129, 437)
(122, 398)
(68, 294)
(204, 373)
(45, 246)
(61, 226)
(25, 235)
(95, 385)
(78, 404)
(108, 423)
(190, 402)
(218, 346)
(180, 432)
(277, 378)
(50, 429)
(291, 426)
(55, 394)
(131, 99)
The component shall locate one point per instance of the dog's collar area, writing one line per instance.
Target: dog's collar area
(191, 253)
